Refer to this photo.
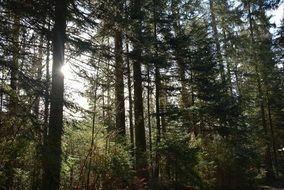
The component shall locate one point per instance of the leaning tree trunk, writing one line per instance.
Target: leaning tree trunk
(51, 178)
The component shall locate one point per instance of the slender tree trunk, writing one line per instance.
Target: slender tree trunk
(193, 115)
(131, 130)
(158, 95)
(229, 76)
(268, 160)
(38, 67)
(217, 43)
(15, 66)
(185, 95)
(51, 176)
(37, 169)
(108, 100)
(163, 103)
(158, 120)
(119, 85)
(13, 104)
(46, 109)
(149, 114)
(1, 94)
(93, 132)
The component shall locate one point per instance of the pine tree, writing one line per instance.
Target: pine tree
(52, 167)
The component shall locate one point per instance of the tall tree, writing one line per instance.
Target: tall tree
(140, 138)
(119, 70)
(52, 167)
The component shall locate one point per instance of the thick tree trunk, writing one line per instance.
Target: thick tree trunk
(51, 178)
(141, 163)
(141, 159)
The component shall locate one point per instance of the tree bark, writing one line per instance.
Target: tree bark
(93, 131)
(158, 94)
(13, 102)
(131, 130)
(119, 85)
(15, 66)
(141, 159)
(149, 115)
(217, 43)
(51, 176)
(268, 159)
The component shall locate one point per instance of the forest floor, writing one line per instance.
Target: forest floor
(270, 188)
(279, 185)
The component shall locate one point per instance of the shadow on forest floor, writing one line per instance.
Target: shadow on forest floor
(266, 187)
(279, 185)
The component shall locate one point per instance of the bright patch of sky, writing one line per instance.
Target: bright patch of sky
(277, 15)
(74, 86)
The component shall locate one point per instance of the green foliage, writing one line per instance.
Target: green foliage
(109, 164)
(178, 160)
(224, 164)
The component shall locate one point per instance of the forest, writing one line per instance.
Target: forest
(141, 94)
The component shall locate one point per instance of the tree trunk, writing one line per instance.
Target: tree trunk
(141, 159)
(13, 104)
(51, 176)
(185, 95)
(46, 106)
(268, 160)
(131, 130)
(119, 85)
(15, 66)
(272, 135)
(38, 69)
(149, 114)
(158, 121)
(217, 43)
(158, 95)
(93, 131)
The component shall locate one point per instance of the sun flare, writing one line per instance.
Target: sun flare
(66, 70)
